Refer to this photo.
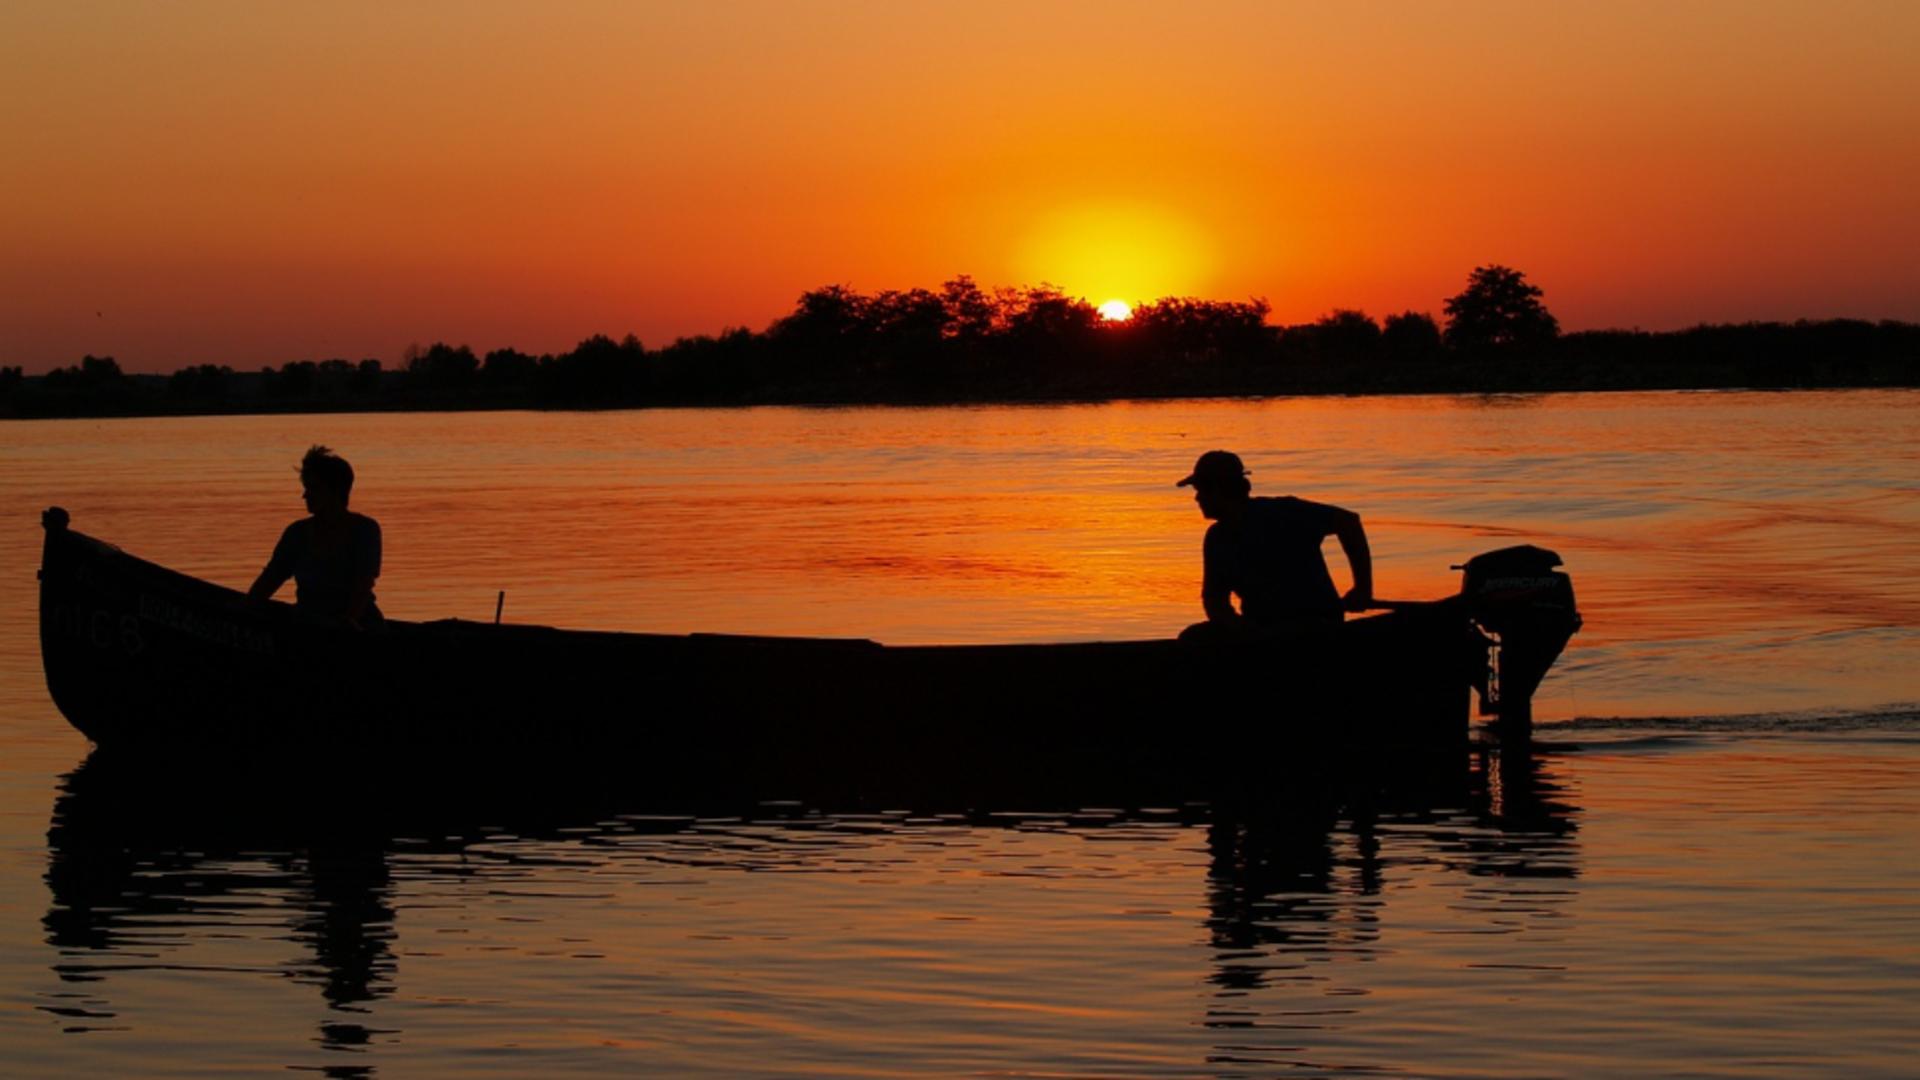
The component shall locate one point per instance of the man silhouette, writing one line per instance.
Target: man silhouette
(332, 556)
(1266, 551)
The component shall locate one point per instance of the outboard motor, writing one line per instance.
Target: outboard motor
(1526, 606)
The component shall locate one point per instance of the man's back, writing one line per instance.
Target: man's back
(1269, 554)
(327, 569)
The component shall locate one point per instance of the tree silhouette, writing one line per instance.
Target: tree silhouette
(443, 366)
(94, 374)
(824, 319)
(903, 329)
(600, 371)
(1199, 331)
(970, 312)
(336, 378)
(509, 368)
(961, 342)
(1345, 334)
(1045, 313)
(1411, 337)
(295, 379)
(1497, 310)
(209, 383)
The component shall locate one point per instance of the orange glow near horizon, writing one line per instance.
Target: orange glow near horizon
(232, 183)
(1136, 252)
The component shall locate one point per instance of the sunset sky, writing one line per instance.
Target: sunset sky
(250, 183)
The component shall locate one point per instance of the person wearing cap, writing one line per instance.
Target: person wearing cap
(1266, 551)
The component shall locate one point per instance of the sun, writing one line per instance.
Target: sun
(1105, 248)
(1116, 311)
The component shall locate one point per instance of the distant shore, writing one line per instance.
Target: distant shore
(960, 346)
(148, 395)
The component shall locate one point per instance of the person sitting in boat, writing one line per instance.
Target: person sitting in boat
(1266, 551)
(333, 556)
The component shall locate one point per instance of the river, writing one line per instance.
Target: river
(1706, 867)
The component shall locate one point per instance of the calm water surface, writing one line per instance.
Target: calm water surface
(1710, 867)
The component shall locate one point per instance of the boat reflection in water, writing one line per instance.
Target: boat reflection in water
(137, 865)
(242, 878)
(1286, 895)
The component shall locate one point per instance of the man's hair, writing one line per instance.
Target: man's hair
(1232, 485)
(322, 468)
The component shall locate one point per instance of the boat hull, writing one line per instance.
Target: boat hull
(143, 659)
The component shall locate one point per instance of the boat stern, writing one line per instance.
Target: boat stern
(1519, 598)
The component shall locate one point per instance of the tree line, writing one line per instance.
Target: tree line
(963, 343)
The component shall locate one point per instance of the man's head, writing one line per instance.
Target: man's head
(1219, 482)
(327, 478)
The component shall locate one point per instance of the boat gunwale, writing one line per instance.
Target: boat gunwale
(234, 602)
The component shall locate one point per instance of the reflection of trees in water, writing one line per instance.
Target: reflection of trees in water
(1295, 900)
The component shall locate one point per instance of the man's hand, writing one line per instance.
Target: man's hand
(1353, 541)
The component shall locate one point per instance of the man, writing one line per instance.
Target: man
(332, 556)
(1267, 552)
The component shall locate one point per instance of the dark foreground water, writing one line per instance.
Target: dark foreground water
(1709, 866)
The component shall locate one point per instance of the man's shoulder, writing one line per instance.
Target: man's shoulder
(1290, 513)
(1294, 504)
(1275, 506)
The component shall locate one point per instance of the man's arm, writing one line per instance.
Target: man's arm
(267, 583)
(278, 569)
(1353, 541)
(1216, 595)
(359, 600)
(367, 556)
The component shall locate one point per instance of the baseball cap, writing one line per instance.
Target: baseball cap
(1213, 467)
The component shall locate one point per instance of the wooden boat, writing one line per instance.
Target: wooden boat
(145, 660)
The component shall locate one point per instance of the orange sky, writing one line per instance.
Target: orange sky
(250, 183)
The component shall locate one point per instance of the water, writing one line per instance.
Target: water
(1707, 868)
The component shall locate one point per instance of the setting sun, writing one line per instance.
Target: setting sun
(1118, 249)
(1116, 311)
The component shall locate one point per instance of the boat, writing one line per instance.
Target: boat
(146, 661)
